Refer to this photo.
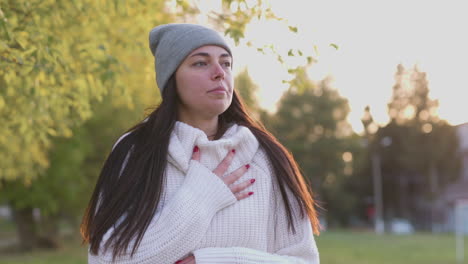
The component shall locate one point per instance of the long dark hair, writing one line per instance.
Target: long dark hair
(131, 195)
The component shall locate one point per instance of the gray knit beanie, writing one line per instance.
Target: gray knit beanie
(171, 43)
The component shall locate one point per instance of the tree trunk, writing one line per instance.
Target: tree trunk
(404, 200)
(25, 228)
(434, 183)
(50, 236)
(434, 180)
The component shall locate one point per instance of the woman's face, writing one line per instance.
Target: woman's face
(204, 82)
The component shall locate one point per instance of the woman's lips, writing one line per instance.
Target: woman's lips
(217, 90)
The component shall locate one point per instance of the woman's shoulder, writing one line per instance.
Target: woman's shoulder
(120, 139)
(126, 135)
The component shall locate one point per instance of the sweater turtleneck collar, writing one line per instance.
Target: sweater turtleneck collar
(185, 137)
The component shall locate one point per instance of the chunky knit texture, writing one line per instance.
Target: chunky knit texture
(199, 215)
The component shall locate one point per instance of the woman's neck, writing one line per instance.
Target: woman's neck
(209, 126)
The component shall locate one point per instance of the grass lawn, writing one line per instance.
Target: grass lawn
(70, 253)
(367, 248)
(336, 247)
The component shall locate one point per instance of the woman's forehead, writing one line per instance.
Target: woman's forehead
(210, 50)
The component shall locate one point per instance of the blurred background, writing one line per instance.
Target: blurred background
(368, 96)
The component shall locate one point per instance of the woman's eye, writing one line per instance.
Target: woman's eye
(227, 64)
(199, 63)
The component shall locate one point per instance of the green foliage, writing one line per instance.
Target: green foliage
(311, 123)
(247, 90)
(58, 59)
(105, 46)
(335, 46)
(236, 15)
(64, 184)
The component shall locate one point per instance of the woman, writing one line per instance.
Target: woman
(199, 181)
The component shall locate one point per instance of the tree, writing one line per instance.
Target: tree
(247, 90)
(422, 156)
(311, 123)
(410, 99)
(59, 60)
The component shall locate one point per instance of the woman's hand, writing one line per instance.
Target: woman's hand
(188, 260)
(231, 178)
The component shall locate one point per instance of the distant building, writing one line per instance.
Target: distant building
(462, 131)
(5, 212)
(456, 191)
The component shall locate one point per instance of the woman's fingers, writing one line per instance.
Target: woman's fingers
(237, 189)
(196, 153)
(241, 186)
(224, 165)
(235, 175)
(188, 260)
(243, 195)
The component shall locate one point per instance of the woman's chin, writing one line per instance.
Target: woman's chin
(217, 110)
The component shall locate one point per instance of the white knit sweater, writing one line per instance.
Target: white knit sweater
(199, 215)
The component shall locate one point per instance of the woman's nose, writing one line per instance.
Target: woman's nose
(218, 72)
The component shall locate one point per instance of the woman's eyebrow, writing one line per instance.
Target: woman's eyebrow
(225, 55)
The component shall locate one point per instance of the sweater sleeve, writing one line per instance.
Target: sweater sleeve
(177, 228)
(304, 251)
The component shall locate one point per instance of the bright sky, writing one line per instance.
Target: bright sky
(373, 37)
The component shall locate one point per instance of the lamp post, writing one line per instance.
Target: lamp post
(379, 224)
(370, 128)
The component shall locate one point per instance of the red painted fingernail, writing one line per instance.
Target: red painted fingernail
(252, 180)
(250, 193)
(195, 149)
(247, 166)
(178, 262)
(233, 151)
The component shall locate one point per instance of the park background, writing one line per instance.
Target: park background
(368, 97)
